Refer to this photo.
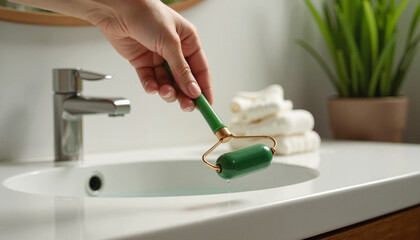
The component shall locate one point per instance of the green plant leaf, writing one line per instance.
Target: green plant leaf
(328, 19)
(380, 13)
(392, 6)
(342, 72)
(361, 37)
(391, 25)
(414, 44)
(385, 83)
(354, 78)
(413, 24)
(321, 25)
(405, 64)
(347, 10)
(373, 30)
(321, 62)
(351, 42)
(378, 67)
(386, 73)
(365, 55)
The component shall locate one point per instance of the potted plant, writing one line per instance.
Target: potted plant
(361, 37)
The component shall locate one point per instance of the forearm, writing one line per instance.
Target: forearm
(145, 32)
(84, 9)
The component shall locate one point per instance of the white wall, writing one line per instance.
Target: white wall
(249, 45)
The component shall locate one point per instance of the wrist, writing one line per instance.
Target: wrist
(84, 9)
(96, 11)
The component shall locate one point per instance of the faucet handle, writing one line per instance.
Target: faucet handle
(91, 76)
(69, 80)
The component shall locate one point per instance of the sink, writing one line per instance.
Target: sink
(170, 194)
(151, 179)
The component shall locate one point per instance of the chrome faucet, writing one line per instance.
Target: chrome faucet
(70, 106)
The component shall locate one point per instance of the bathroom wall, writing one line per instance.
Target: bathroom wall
(249, 45)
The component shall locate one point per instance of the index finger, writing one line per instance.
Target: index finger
(200, 69)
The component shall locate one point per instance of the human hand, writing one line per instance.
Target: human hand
(147, 32)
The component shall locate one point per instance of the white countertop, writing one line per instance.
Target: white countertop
(357, 181)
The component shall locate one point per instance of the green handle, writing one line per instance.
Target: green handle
(203, 105)
(208, 113)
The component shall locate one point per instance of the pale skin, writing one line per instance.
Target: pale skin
(145, 32)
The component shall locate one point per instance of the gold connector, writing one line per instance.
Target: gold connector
(224, 135)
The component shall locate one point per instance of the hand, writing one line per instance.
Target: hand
(146, 32)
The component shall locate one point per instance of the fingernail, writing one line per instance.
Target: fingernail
(188, 109)
(168, 95)
(194, 89)
(148, 83)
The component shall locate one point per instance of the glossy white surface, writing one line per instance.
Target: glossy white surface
(356, 181)
(151, 179)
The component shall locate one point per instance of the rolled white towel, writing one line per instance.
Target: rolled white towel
(262, 109)
(303, 142)
(243, 100)
(308, 141)
(272, 90)
(292, 122)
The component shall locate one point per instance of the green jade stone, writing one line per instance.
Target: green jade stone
(244, 161)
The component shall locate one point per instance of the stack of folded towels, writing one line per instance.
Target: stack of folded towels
(267, 113)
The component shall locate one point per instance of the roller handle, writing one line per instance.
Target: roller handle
(204, 106)
(208, 113)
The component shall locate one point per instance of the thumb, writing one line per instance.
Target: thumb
(182, 73)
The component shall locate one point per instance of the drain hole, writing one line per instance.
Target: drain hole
(95, 183)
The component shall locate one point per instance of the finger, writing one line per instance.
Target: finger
(181, 71)
(166, 89)
(186, 103)
(168, 93)
(191, 47)
(200, 69)
(148, 80)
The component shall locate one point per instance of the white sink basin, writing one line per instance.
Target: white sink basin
(353, 178)
(151, 179)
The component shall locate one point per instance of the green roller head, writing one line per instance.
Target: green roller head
(244, 161)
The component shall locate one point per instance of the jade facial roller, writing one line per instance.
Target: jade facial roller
(238, 163)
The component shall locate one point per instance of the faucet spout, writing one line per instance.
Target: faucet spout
(81, 105)
(70, 106)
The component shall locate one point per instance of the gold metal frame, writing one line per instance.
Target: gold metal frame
(224, 135)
